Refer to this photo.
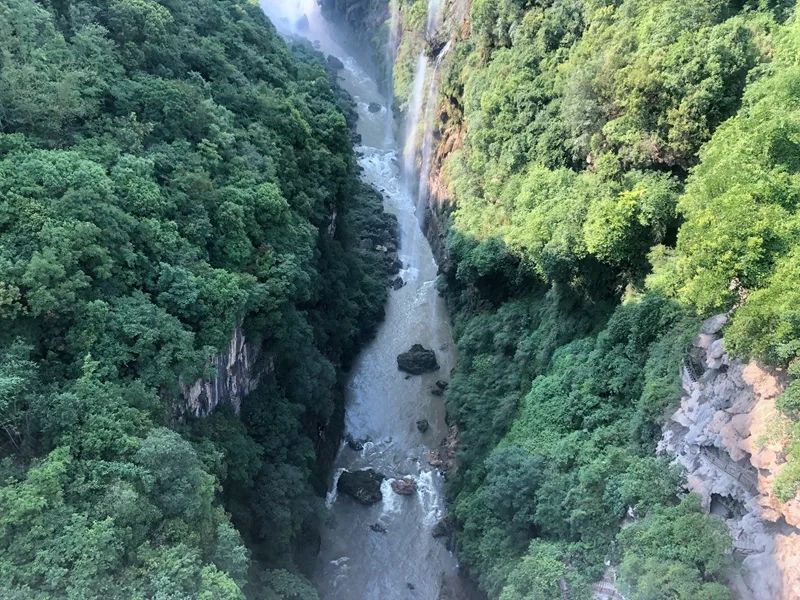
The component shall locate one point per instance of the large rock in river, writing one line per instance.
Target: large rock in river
(418, 360)
(405, 487)
(334, 63)
(363, 486)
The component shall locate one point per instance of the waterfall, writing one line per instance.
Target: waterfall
(422, 109)
(394, 32)
(286, 15)
(414, 115)
(434, 18)
(391, 56)
(431, 105)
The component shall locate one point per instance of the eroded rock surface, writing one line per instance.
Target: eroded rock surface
(236, 372)
(444, 457)
(726, 435)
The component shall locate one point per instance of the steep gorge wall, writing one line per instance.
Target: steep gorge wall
(365, 16)
(444, 125)
(726, 434)
(449, 131)
(371, 21)
(234, 373)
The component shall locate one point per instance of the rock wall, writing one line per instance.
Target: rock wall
(449, 137)
(236, 372)
(726, 435)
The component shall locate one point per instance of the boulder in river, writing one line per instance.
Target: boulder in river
(394, 264)
(397, 283)
(444, 457)
(439, 388)
(423, 425)
(355, 444)
(418, 360)
(445, 530)
(378, 528)
(363, 486)
(334, 63)
(405, 487)
(374, 107)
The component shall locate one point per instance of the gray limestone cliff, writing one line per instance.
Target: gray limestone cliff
(235, 373)
(726, 435)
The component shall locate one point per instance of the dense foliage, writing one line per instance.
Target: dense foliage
(740, 244)
(627, 169)
(168, 171)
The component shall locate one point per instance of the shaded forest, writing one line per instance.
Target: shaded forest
(170, 171)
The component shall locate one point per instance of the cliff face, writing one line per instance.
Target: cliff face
(236, 372)
(371, 21)
(448, 133)
(726, 434)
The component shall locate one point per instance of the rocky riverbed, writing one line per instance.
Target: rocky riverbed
(385, 497)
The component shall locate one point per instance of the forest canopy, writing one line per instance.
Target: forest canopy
(169, 172)
(622, 171)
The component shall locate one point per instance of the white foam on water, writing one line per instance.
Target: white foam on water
(380, 168)
(423, 295)
(429, 497)
(333, 493)
(392, 503)
(410, 273)
(342, 569)
(355, 69)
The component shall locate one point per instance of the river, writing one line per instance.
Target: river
(383, 405)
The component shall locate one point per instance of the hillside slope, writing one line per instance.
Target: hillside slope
(180, 224)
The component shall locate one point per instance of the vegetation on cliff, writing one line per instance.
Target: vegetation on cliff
(628, 168)
(168, 171)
